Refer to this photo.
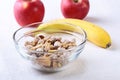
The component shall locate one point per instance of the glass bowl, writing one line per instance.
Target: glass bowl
(50, 60)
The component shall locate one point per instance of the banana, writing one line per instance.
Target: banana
(95, 33)
(56, 26)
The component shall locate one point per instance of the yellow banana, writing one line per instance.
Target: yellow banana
(56, 26)
(95, 34)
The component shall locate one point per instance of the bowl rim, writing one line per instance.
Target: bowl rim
(29, 26)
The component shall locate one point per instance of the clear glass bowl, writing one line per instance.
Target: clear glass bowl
(49, 64)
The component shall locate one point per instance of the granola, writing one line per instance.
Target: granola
(50, 51)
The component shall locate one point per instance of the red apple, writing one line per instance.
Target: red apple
(28, 11)
(75, 8)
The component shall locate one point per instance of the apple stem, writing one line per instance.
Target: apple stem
(75, 1)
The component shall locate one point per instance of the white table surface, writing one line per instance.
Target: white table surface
(94, 63)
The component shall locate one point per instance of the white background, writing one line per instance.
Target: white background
(94, 63)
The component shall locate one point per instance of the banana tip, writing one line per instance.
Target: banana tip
(108, 45)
